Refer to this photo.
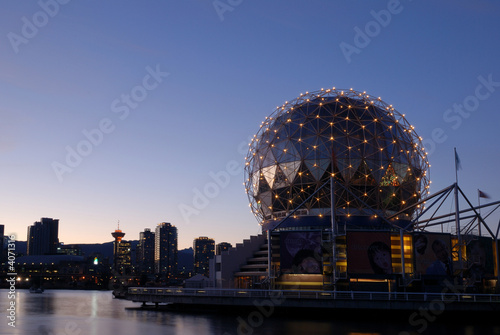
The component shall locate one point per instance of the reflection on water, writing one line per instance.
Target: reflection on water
(64, 312)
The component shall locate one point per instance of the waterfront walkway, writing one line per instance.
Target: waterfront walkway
(448, 299)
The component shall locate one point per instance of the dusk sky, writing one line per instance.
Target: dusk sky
(142, 111)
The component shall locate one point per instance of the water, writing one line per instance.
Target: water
(65, 312)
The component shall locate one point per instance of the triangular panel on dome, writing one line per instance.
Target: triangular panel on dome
(348, 167)
(269, 173)
(307, 130)
(255, 183)
(266, 199)
(277, 149)
(304, 176)
(263, 185)
(363, 176)
(318, 167)
(401, 170)
(377, 168)
(280, 179)
(324, 149)
(268, 159)
(290, 153)
(390, 178)
(290, 169)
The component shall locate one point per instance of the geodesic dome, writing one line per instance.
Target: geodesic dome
(365, 144)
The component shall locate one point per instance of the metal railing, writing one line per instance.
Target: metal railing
(293, 294)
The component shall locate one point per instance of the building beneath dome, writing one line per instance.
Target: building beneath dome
(338, 180)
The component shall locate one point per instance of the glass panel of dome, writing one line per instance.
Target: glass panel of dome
(307, 130)
(290, 153)
(278, 148)
(269, 159)
(309, 146)
(324, 150)
(290, 169)
(390, 178)
(288, 129)
(269, 173)
(255, 183)
(280, 180)
(317, 167)
(266, 201)
(347, 167)
(377, 169)
(263, 185)
(304, 177)
(401, 170)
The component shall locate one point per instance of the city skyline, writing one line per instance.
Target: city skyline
(150, 122)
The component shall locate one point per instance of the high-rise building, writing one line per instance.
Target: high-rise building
(146, 252)
(118, 234)
(223, 246)
(166, 250)
(43, 237)
(203, 250)
(124, 257)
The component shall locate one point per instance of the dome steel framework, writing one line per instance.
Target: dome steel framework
(361, 141)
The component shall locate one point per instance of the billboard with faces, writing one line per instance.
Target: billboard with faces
(369, 252)
(432, 254)
(301, 252)
(480, 259)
